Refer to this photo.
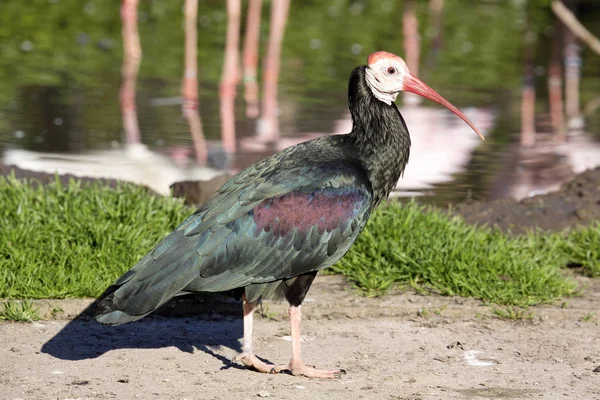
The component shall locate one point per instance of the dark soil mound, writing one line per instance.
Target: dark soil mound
(45, 178)
(576, 203)
(198, 192)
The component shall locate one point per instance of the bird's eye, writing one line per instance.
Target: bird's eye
(391, 70)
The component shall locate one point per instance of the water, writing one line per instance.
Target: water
(60, 79)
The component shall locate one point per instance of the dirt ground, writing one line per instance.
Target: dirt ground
(402, 346)
(577, 202)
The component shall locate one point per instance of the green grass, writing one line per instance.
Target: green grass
(512, 313)
(427, 312)
(414, 245)
(582, 247)
(19, 311)
(64, 241)
(67, 241)
(588, 317)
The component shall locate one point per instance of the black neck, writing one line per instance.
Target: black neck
(379, 134)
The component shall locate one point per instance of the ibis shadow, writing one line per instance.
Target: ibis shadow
(84, 338)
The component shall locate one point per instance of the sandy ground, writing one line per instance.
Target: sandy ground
(397, 347)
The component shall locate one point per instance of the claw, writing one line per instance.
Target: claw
(298, 368)
(339, 373)
(244, 358)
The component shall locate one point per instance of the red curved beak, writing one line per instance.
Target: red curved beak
(415, 85)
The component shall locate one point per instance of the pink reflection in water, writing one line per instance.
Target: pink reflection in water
(250, 58)
(230, 76)
(410, 31)
(190, 82)
(132, 55)
(268, 124)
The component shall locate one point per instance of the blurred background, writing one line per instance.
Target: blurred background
(158, 91)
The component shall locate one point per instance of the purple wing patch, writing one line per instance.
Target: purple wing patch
(326, 209)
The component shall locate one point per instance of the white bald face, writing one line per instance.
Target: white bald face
(385, 75)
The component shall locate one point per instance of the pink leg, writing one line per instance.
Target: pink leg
(247, 356)
(296, 365)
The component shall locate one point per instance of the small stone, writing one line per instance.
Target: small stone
(455, 344)
(264, 393)
(597, 369)
(588, 358)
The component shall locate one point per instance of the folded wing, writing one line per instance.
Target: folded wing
(285, 223)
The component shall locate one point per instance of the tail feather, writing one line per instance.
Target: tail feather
(147, 286)
(106, 314)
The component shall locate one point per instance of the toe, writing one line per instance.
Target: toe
(300, 369)
(280, 368)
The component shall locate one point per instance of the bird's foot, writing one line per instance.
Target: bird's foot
(250, 360)
(298, 368)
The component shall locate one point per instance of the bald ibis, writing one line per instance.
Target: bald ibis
(272, 227)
